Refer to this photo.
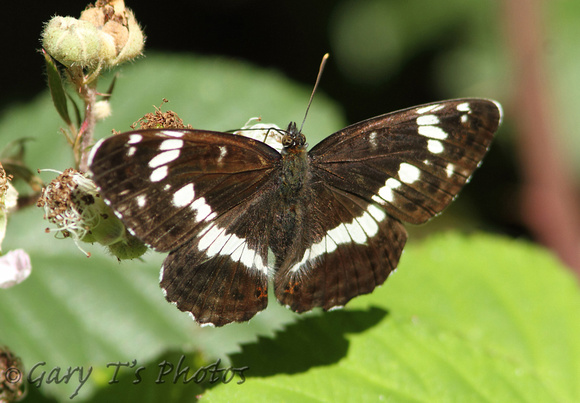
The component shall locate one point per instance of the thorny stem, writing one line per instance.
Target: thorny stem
(87, 87)
(85, 135)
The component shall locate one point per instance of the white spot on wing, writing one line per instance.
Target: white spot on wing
(131, 151)
(141, 200)
(164, 158)
(203, 210)
(225, 244)
(171, 144)
(223, 152)
(373, 139)
(434, 146)
(159, 174)
(339, 234)
(356, 232)
(386, 192)
(464, 107)
(134, 139)
(173, 133)
(376, 213)
(425, 109)
(368, 224)
(330, 244)
(433, 132)
(184, 196)
(408, 173)
(428, 120)
(450, 170)
(248, 257)
(210, 236)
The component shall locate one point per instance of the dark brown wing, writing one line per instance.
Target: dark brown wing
(202, 196)
(412, 162)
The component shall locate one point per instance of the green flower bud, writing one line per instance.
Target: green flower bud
(72, 42)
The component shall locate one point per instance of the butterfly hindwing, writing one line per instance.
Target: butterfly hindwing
(346, 248)
(222, 275)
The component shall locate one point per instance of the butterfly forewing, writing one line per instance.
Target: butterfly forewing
(167, 184)
(412, 162)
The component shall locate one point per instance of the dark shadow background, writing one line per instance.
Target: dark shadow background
(288, 36)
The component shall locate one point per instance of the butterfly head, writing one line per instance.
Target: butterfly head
(293, 138)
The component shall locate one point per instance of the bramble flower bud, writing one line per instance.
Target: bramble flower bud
(72, 202)
(105, 35)
(72, 42)
(121, 36)
(268, 133)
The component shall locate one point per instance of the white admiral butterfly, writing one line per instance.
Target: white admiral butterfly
(325, 224)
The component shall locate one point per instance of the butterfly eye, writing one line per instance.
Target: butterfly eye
(287, 140)
(300, 139)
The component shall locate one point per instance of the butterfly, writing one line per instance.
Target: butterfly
(325, 225)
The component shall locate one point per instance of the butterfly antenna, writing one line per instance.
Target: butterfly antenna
(322, 64)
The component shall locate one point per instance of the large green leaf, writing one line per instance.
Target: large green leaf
(463, 319)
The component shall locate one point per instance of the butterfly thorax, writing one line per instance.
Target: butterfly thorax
(294, 166)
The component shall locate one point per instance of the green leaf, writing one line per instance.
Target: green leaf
(56, 88)
(12, 156)
(463, 319)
